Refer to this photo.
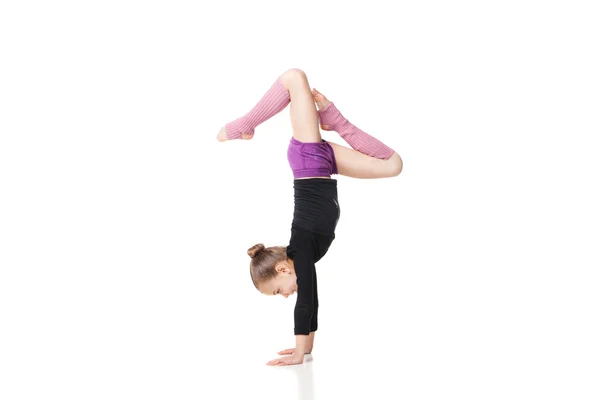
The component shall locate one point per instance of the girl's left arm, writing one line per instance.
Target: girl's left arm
(301, 346)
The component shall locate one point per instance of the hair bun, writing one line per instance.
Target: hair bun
(252, 251)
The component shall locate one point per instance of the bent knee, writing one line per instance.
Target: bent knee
(293, 74)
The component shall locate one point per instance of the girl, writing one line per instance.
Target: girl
(291, 269)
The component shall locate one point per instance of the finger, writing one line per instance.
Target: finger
(287, 351)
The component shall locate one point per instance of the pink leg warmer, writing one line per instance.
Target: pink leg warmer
(356, 138)
(273, 101)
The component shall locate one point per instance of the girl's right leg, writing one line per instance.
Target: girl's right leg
(291, 87)
(303, 112)
(271, 103)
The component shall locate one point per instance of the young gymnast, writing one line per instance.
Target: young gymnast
(280, 270)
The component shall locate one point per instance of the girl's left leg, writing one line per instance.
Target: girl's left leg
(369, 158)
(355, 164)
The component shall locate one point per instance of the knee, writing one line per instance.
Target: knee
(395, 165)
(293, 75)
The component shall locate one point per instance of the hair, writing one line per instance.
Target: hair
(264, 260)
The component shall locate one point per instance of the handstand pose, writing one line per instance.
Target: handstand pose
(287, 270)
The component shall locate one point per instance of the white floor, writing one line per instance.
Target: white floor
(124, 225)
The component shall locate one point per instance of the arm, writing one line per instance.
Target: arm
(305, 342)
(314, 320)
(304, 318)
(303, 312)
(302, 343)
(309, 343)
(307, 347)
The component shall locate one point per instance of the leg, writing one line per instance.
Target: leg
(272, 102)
(370, 158)
(292, 88)
(355, 164)
(332, 119)
(303, 113)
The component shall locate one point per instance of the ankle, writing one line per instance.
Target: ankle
(333, 118)
(236, 128)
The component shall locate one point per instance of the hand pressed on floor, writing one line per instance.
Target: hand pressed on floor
(288, 360)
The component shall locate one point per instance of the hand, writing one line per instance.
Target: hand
(291, 351)
(289, 360)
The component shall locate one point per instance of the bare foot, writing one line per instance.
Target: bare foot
(322, 104)
(222, 135)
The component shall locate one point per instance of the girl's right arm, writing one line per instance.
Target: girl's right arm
(307, 348)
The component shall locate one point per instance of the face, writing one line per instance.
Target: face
(283, 284)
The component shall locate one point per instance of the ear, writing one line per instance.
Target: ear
(282, 268)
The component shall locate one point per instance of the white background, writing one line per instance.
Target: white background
(124, 224)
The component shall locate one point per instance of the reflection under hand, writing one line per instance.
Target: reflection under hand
(304, 374)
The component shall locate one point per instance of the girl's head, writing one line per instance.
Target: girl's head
(271, 270)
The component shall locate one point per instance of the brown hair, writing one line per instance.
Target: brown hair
(264, 260)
